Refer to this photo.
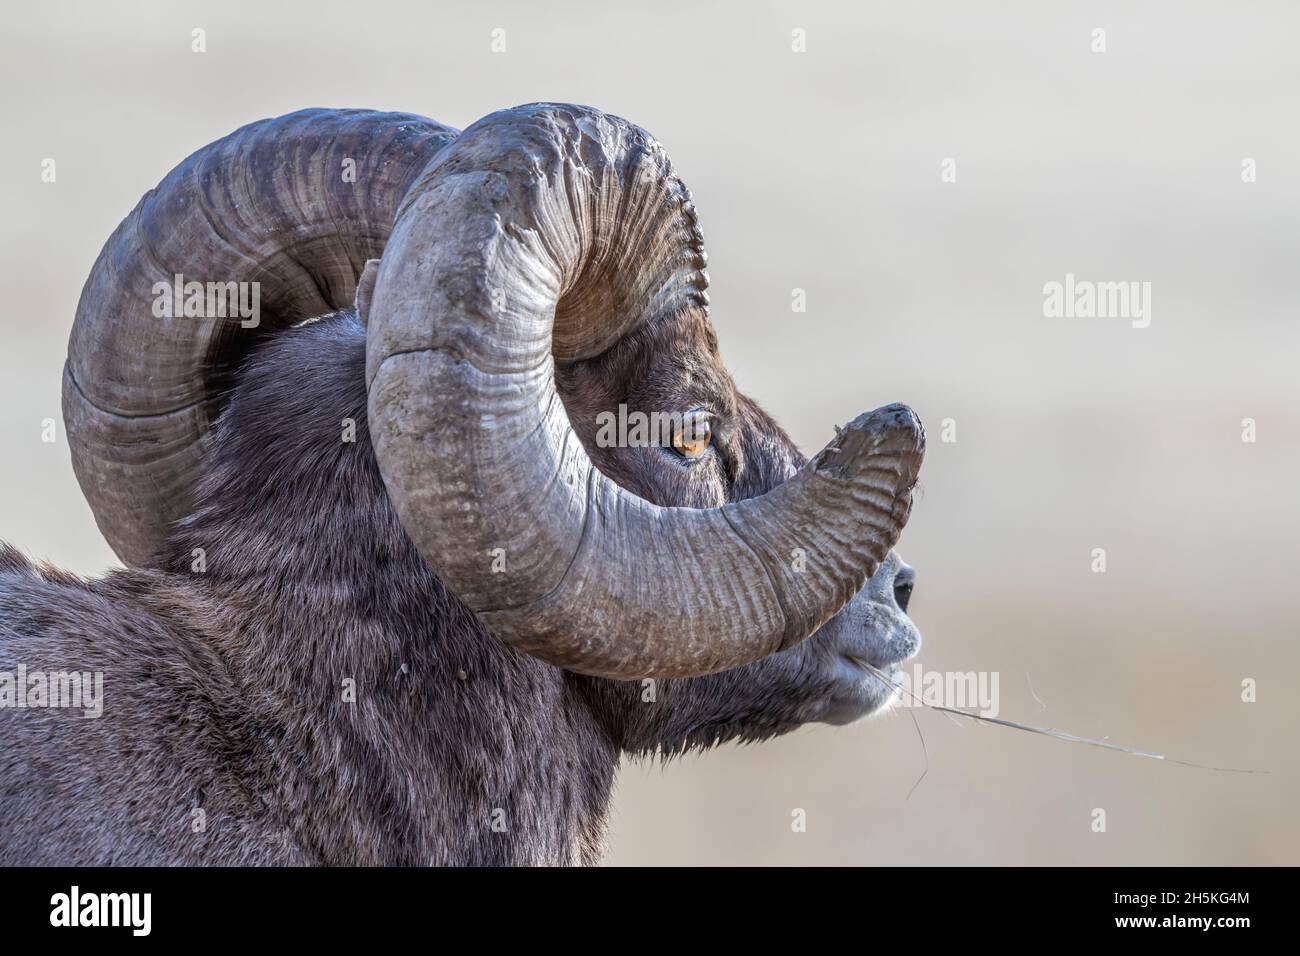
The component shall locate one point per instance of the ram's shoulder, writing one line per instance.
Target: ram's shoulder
(14, 562)
(48, 615)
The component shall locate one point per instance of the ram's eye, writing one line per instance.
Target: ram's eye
(692, 439)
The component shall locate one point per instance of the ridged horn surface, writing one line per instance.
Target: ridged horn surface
(544, 234)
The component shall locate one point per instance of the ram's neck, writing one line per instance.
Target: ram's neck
(412, 734)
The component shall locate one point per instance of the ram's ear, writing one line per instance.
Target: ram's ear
(366, 290)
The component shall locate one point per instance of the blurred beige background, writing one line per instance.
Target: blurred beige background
(821, 171)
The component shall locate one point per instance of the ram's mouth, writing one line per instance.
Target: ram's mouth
(886, 674)
(887, 677)
(860, 690)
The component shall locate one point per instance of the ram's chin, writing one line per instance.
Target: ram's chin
(857, 693)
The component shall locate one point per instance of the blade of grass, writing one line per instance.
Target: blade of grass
(1045, 731)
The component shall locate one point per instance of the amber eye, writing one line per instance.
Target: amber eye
(692, 439)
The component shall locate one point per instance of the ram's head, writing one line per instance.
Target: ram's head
(521, 283)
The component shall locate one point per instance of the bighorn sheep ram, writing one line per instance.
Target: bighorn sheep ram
(431, 638)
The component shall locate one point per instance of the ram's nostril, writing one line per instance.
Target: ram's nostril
(902, 593)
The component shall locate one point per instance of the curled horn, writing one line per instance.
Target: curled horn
(543, 235)
(290, 207)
